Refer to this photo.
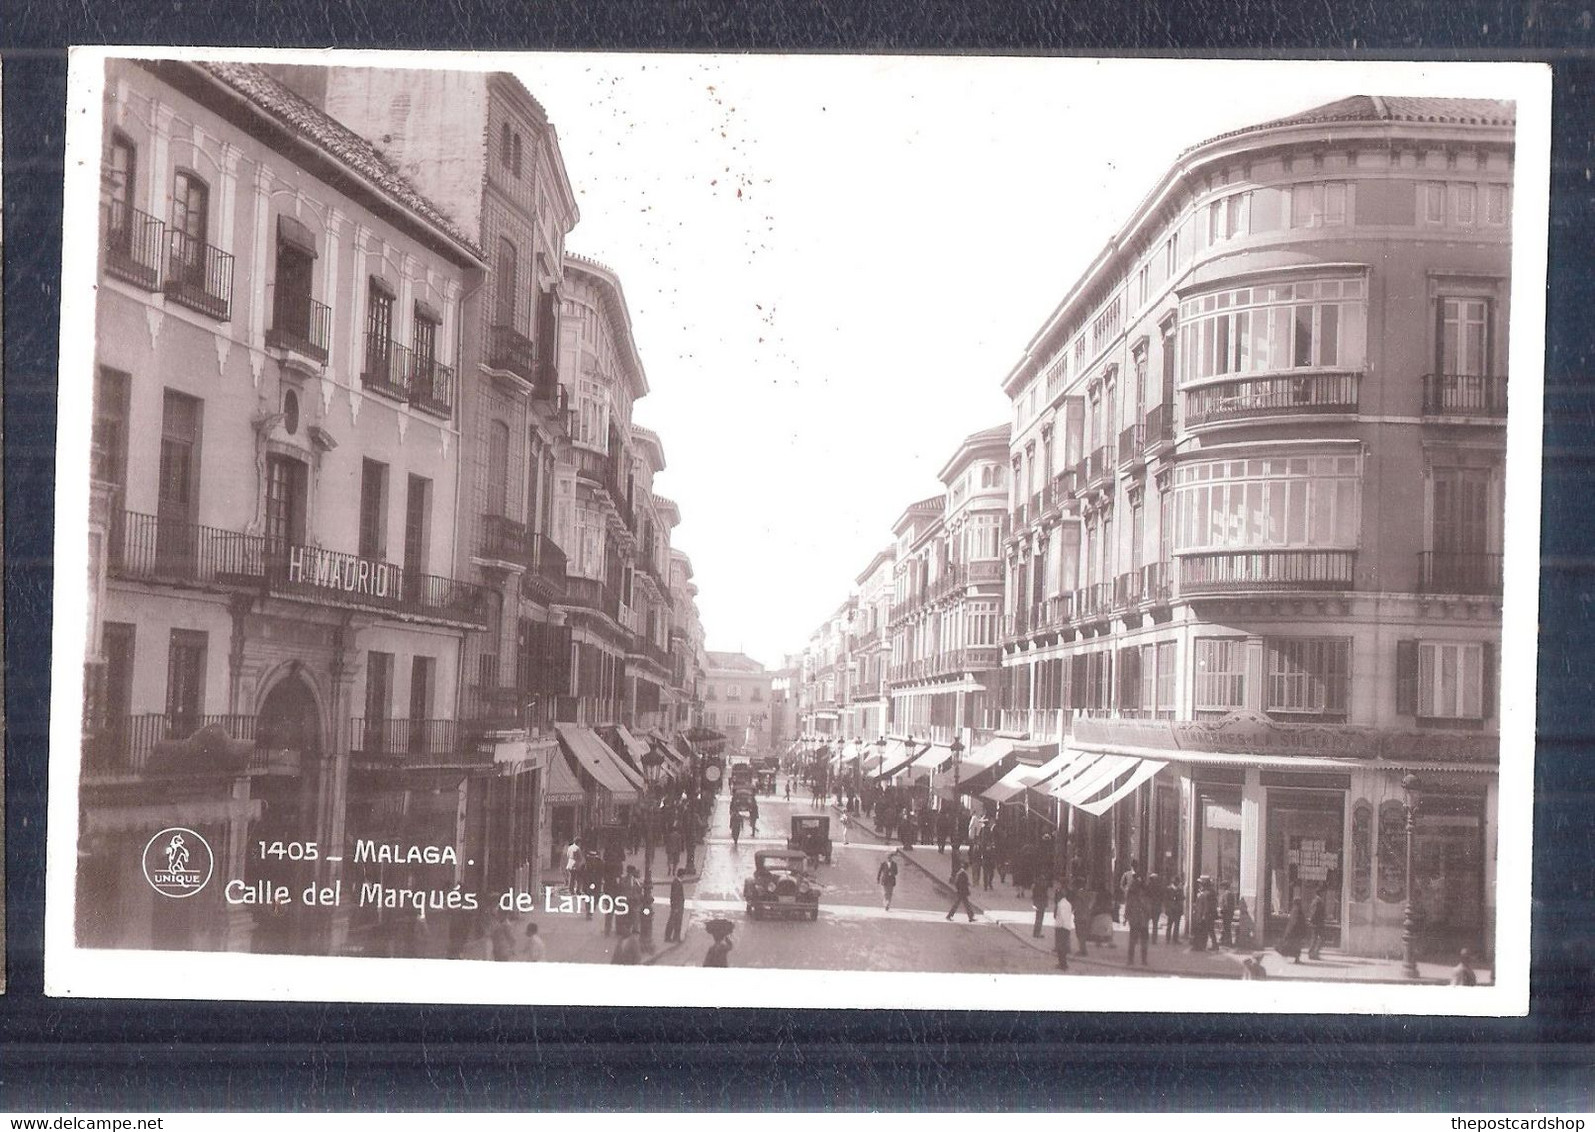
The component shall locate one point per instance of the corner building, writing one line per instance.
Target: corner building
(1254, 569)
(278, 619)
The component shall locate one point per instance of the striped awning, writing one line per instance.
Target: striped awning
(898, 756)
(1022, 778)
(599, 762)
(564, 788)
(1094, 782)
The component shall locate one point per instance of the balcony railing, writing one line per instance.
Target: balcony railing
(199, 275)
(1155, 583)
(123, 746)
(1061, 488)
(511, 351)
(1020, 518)
(1130, 445)
(410, 742)
(502, 538)
(1054, 613)
(1463, 395)
(387, 368)
(1453, 572)
(133, 242)
(1244, 570)
(1101, 466)
(1127, 590)
(984, 570)
(1093, 602)
(299, 323)
(150, 548)
(590, 593)
(1035, 506)
(1158, 427)
(431, 385)
(545, 564)
(1240, 398)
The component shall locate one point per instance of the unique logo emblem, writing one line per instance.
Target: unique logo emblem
(178, 862)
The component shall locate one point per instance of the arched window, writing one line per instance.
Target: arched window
(504, 295)
(515, 161)
(498, 457)
(504, 144)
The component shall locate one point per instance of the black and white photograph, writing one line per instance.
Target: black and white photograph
(847, 531)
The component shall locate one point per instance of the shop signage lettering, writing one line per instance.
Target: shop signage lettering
(326, 569)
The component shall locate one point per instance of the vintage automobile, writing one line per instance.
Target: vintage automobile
(811, 833)
(781, 885)
(764, 781)
(742, 801)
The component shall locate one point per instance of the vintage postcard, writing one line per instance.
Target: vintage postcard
(792, 531)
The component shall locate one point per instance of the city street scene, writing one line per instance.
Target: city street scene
(778, 513)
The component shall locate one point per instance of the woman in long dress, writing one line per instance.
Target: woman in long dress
(1295, 936)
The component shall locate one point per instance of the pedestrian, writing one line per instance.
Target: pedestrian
(1040, 893)
(718, 950)
(533, 950)
(961, 898)
(1315, 923)
(753, 817)
(908, 830)
(1295, 932)
(1463, 975)
(678, 906)
(1062, 925)
(886, 877)
(788, 789)
(573, 865)
(1156, 890)
(1201, 914)
(988, 863)
(1226, 914)
(736, 826)
(673, 848)
(1174, 903)
(942, 830)
(629, 889)
(1085, 908)
(1136, 913)
(847, 829)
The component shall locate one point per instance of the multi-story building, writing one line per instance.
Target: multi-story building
(1254, 567)
(686, 644)
(276, 456)
(947, 601)
(825, 676)
(869, 705)
(482, 146)
(737, 700)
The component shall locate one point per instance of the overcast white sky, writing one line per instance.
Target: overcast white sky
(832, 262)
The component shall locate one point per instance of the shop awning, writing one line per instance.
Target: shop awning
(564, 788)
(898, 756)
(1022, 778)
(874, 758)
(684, 747)
(594, 756)
(1094, 782)
(634, 746)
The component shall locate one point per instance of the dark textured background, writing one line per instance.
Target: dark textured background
(98, 1056)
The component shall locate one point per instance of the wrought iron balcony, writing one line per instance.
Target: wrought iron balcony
(396, 743)
(1093, 602)
(545, 565)
(502, 538)
(1102, 466)
(299, 323)
(1127, 590)
(1155, 583)
(1254, 570)
(199, 275)
(1054, 613)
(387, 368)
(512, 352)
(123, 746)
(1463, 395)
(1242, 398)
(431, 385)
(1454, 572)
(133, 241)
(1157, 429)
(1130, 446)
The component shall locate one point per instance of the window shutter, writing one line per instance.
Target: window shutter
(1406, 677)
(1487, 675)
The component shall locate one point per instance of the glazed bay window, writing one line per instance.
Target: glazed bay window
(1272, 349)
(1318, 205)
(592, 416)
(1268, 522)
(1220, 674)
(1310, 676)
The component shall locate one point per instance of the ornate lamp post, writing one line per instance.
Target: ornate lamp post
(653, 774)
(1409, 952)
(957, 749)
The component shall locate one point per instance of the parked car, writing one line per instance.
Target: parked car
(781, 885)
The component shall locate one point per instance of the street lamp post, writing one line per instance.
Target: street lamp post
(957, 749)
(1409, 950)
(653, 772)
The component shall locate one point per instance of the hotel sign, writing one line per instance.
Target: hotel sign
(343, 573)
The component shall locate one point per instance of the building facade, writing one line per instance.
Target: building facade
(737, 701)
(1250, 565)
(276, 458)
(1254, 579)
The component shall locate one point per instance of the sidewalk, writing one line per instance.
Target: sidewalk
(1016, 915)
